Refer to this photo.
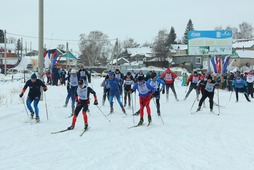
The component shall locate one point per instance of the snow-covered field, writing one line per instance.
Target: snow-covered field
(201, 141)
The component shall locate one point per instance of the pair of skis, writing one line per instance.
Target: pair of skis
(61, 131)
(217, 114)
(139, 125)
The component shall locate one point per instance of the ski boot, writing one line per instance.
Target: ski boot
(86, 126)
(149, 119)
(159, 112)
(199, 108)
(32, 115)
(37, 119)
(111, 110)
(70, 128)
(141, 121)
(137, 113)
(65, 105)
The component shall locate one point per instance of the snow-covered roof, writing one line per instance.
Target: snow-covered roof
(114, 60)
(245, 44)
(145, 51)
(179, 46)
(245, 53)
(11, 47)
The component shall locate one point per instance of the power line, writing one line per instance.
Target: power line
(29, 36)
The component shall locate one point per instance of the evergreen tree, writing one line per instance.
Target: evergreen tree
(18, 47)
(171, 39)
(1, 36)
(189, 27)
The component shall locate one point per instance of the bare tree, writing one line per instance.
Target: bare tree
(245, 30)
(159, 46)
(11, 40)
(61, 46)
(130, 43)
(93, 47)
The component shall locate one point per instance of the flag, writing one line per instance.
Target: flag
(47, 58)
(225, 62)
(54, 59)
(216, 63)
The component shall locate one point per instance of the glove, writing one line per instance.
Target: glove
(130, 91)
(45, 89)
(77, 99)
(21, 95)
(188, 84)
(95, 102)
(88, 101)
(155, 94)
(163, 91)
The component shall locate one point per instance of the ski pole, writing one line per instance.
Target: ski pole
(46, 106)
(218, 101)
(230, 95)
(132, 108)
(103, 113)
(157, 109)
(22, 99)
(193, 104)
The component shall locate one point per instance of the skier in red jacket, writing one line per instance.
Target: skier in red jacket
(168, 76)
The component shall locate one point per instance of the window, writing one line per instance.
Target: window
(198, 60)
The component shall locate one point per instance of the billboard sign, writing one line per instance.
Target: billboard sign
(217, 42)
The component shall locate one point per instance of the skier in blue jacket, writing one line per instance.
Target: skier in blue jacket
(240, 85)
(114, 91)
(156, 83)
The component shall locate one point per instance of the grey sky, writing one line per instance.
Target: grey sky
(122, 19)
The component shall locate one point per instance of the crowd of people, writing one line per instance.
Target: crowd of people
(149, 87)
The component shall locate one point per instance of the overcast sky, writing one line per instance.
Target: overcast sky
(122, 19)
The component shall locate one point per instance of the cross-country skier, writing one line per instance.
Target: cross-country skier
(208, 91)
(155, 83)
(128, 80)
(169, 77)
(145, 94)
(34, 95)
(240, 85)
(73, 80)
(193, 81)
(114, 91)
(82, 98)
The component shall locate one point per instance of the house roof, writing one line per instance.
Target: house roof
(145, 51)
(245, 44)
(245, 53)
(114, 60)
(70, 56)
(179, 46)
(11, 47)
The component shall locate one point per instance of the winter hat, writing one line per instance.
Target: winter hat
(110, 74)
(80, 82)
(140, 78)
(73, 71)
(33, 76)
(209, 77)
(168, 70)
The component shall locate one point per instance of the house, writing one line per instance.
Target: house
(63, 60)
(138, 54)
(11, 57)
(180, 58)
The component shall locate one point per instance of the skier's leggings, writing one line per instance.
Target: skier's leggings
(145, 102)
(29, 102)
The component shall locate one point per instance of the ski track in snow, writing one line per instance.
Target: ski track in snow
(186, 141)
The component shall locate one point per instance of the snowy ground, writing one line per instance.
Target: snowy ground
(200, 141)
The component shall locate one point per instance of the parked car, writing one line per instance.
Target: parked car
(12, 71)
(29, 66)
(95, 74)
(104, 73)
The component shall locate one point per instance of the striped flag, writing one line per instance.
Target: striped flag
(225, 62)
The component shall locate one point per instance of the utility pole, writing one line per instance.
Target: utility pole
(5, 50)
(117, 52)
(40, 56)
(67, 56)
